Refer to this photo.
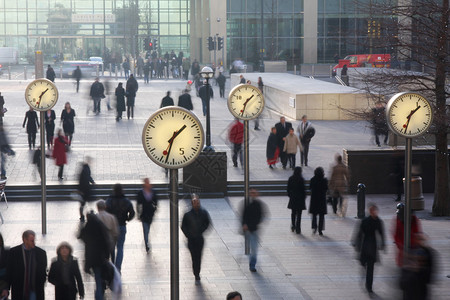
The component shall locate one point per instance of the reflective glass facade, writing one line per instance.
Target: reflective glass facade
(82, 28)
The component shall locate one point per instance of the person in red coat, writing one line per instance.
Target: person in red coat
(236, 137)
(399, 230)
(59, 152)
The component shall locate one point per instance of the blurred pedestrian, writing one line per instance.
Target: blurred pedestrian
(399, 230)
(195, 223)
(370, 238)
(118, 205)
(291, 144)
(306, 133)
(65, 274)
(297, 195)
(272, 150)
(242, 79)
(261, 88)
(85, 183)
(131, 89)
(234, 296)
(221, 82)
(338, 185)
(26, 269)
(97, 93)
(4, 255)
(147, 203)
(167, 101)
(185, 100)
(107, 86)
(379, 124)
(2, 108)
(252, 217)
(111, 224)
(68, 122)
(60, 148)
(282, 128)
(5, 149)
(186, 65)
(50, 118)
(77, 76)
(96, 251)
(120, 96)
(37, 160)
(147, 72)
(32, 122)
(126, 68)
(50, 74)
(318, 201)
(236, 137)
(203, 94)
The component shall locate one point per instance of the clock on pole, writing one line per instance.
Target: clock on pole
(245, 102)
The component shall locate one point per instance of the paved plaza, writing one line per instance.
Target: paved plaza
(289, 266)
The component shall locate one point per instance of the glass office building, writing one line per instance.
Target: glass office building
(78, 29)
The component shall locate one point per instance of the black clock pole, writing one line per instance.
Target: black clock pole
(43, 175)
(246, 177)
(174, 250)
(407, 223)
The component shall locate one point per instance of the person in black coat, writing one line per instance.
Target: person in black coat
(297, 194)
(85, 185)
(147, 203)
(50, 74)
(185, 100)
(221, 82)
(50, 118)
(203, 94)
(24, 259)
(282, 131)
(131, 89)
(120, 96)
(272, 151)
(32, 126)
(96, 250)
(67, 120)
(195, 223)
(167, 101)
(65, 274)
(318, 202)
(77, 76)
(366, 242)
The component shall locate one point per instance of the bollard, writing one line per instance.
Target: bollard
(9, 72)
(24, 72)
(295, 69)
(361, 198)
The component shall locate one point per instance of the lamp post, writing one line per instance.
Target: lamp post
(207, 73)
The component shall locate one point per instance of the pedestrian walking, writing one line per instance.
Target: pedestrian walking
(236, 137)
(107, 86)
(77, 76)
(5, 149)
(203, 94)
(120, 103)
(221, 82)
(97, 93)
(252, 217)
(318, 201)
(338, 185)
(379, 124)
(37, 160)
(111, 224)
(32, 122)
(126, 68)
(147, 203)
(85, 183)
(195, 222)
(65, 274)
(96, 251)
(306, 133)
(147, 72)
(186, 65)
(2, 108)
(297, 195)
(291, 144)
(118, 205)
(369, 238)
(234, 296)
(185, 100)
(50, 74)
(60, 148)
(68, 121)
(195, 68)
(131, 89)
(167, 100)
(261, 88)
(50, 117)
(272, 150)
(4, 255)
(282, 128)
(26, 269)
(140, 66)
(242, 79)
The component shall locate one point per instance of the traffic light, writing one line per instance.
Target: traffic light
(219, 43)
(150, 44)
(146, 44)
(155, 44)
(211, 44)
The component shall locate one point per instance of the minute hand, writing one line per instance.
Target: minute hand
(170, 141)
(245, 105)
(409, 118)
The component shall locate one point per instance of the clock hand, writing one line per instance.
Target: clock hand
(40, 96)
(176, 133)
(409, 118)
(245, 104)
(169, 147)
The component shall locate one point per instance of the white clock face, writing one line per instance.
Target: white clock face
(409, 114)
(41, 94)
(245, 102)
(173, 137)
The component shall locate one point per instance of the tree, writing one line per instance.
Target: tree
(419, 41)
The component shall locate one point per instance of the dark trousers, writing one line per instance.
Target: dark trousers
(291, 159)
(237, 151)
(78, 85)
(222, 91)
(130, 112)
(321, 222)
(369, 274)
(337, 200)
(283, 156)
(97, 101)
(49, 139)
(296, 219)
(304, 153)
(31, 139)
(60, 172)
(195, 246)
(381, 132)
